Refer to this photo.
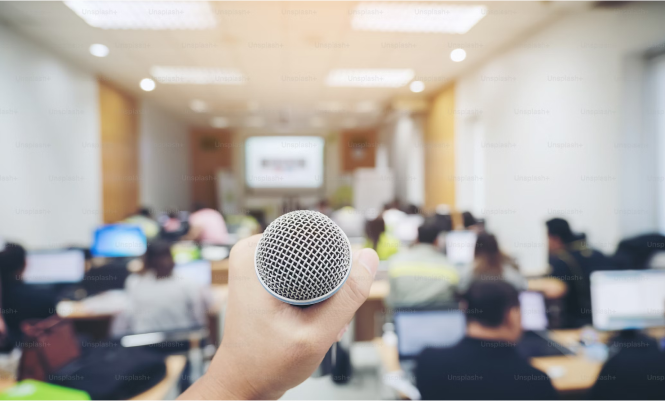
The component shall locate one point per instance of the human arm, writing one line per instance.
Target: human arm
(269, 346)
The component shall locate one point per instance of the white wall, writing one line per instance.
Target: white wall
(50, 190)
(164, 160)
(552, 113)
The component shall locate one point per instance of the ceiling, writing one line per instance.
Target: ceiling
(285, 49)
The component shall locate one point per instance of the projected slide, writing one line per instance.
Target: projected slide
(284, 162)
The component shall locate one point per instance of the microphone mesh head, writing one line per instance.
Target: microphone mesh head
(303, 257)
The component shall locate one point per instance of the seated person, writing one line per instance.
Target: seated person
(143, 219)
(21, 301)
(485, 364)
(159, 301)
(572, 262)
(207, 225)
(491, 264)
(384, 243)
(421, 277)
(636, 372)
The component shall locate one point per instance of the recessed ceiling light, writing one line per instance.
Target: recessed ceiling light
(99, 50)
(254, 121)
(416, 17)
(198, 106)
(197, 75)
(417, 86)
(219, 122)
(369, 78)
(153, 15)
(147, 84)
(458, 55)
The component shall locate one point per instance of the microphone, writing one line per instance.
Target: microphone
(303, 258)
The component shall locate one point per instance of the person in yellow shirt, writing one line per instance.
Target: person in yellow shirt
(421, 276)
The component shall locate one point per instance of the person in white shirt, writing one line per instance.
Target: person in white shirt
(160, 301)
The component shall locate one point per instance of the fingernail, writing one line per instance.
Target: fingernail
(369, 259)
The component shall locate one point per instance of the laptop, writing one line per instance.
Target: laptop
(197, 271)
(628, 299)
(535, 341)
(54, 267)
(417, 330)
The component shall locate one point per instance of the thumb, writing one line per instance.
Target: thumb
(333, 314)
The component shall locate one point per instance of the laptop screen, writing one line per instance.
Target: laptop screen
(197, 271)
(119, 240)
(628, 299)
(460, 247)
(419, 330)
(50, 267)
(534, 311)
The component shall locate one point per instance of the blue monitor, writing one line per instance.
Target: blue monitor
(119, 240)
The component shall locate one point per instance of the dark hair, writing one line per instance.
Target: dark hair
(374, 229)
(468, 220)
(412, 209)
(428, 233)
(444, 222)
(488, 258)
(12, 262)
(144, 211)
(488, 302)
(155, 250)
(558, 227)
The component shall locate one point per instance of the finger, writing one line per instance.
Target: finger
(331, 315)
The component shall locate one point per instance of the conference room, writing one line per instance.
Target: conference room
(332, 200)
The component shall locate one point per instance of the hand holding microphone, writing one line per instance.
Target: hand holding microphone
(270, 346)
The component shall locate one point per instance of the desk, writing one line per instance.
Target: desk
(366, 317)
(91, 318)
(580, 373)
(175, 364)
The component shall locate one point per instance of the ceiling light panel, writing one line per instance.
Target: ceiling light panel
(145, 15)
(370, 78)
(197, 75)
(416, 17)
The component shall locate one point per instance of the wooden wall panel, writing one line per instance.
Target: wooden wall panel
(358, 149)
(211, 150)
(119, 152)
(439, 145)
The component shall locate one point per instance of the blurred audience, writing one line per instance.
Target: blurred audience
(490, 264)
(572, 261)
(421, 277)
(352, 222)
(384, 243)
(143, 219)
(173, 228)
(406, 230)
(159, 301)
(635, 372)
(639, 252)
(485, 364)
(207, 225)
(20, 301)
